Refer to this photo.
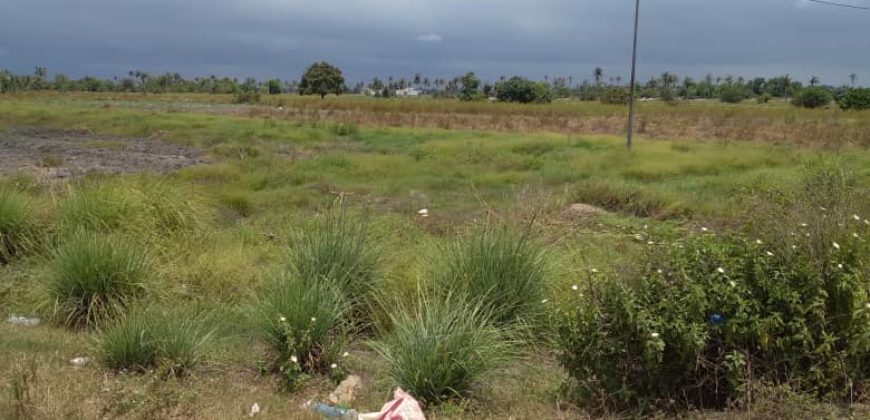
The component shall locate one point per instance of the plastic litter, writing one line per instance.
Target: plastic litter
(23, 320)
(80, 361)
(402, 407)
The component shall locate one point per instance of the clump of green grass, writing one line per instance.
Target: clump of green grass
(497, 266)
(172, 208)
(101, 208)
(441, 348)
(618, 196)
(145, 339)
(16, 224)
(92, 275)
(305, 326)
(337, 252)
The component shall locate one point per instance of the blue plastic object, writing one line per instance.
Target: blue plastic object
(717, 319)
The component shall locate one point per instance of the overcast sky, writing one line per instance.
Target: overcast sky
(366, 38)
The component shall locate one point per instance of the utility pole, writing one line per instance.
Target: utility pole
(633, 77)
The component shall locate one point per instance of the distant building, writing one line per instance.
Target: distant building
(408, 93)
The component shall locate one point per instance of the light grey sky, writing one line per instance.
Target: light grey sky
(443, 38)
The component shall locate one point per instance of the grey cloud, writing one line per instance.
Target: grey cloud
(278, 38)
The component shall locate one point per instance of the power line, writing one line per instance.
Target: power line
(849, 6)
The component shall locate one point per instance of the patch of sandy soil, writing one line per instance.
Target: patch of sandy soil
(55, 153)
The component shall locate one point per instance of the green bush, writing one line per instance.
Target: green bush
(497, 268)
(614, 96)
(709, 316)
(16, 224)
(92, 275)
(732, 93)
(305, 326)
(857, 99)
(518, 89)
(337, 251)
(812, 97)
(146, 339)
(441, 348)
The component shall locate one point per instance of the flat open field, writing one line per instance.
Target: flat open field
(220, 197)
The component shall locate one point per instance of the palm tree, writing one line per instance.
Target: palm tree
(852, 78)
(599, 73)
(814, 80)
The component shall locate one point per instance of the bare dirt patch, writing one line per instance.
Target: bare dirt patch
(58, 153)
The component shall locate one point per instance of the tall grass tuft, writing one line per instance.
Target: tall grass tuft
(16, 224)
(337, 252)
(305, 326)
(91, 275)
(498, 267)
(144, 339)
(100, 208)
(172, 208)
(441, 348)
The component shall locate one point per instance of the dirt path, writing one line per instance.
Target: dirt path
(66, 153)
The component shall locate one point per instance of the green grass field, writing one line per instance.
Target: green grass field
(214, 234)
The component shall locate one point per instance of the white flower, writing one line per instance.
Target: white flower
(423, 211)
(313, 319)
(840, 266)
(282, 319)
(836, 245)
(721, 270)
(294, 359)
(703, 229)
(856, 217)
(794, 247)
(544, 301)
(654, 335)
(659, 271)
(645, 227)
(575, 288)
(867, 221)
(855, 235)
(594, 270)
(807, 235)
(758, 241)
(804, 225)
(733, 283)
(345, 354)
(867, 305)
(333, 366)
(823, 209)
(769, 254)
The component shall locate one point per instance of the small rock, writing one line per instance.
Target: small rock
(80, 361)
(23, 320)
(585, 210)
(255, 409)
(346, 391)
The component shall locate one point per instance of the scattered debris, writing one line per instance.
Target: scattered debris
(346, 391)
(402, 407)
(423, 212)
(331, 412)
(80, 361)
(23, 320)
(255, 409)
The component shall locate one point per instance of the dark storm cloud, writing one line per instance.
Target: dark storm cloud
(267, 38)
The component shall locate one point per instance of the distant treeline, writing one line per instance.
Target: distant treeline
(668, 86)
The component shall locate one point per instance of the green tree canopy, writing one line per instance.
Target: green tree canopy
(321, 79)
(518, 89)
